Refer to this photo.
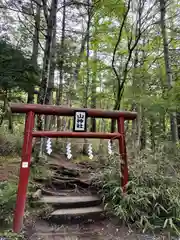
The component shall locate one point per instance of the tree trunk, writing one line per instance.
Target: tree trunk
(143, 130)
(152, 133)
(4, 109)
(7, 112)
(93, 90)
(35, 49)
(49, 93)
(134, 103)
(46, 60)
(87, 72)
(122, 77)
(178, 124)
(60, 87)
(83, 44)
(138, 128)
(50, 20)
(173, 123)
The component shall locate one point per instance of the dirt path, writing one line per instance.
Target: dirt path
(102, 230)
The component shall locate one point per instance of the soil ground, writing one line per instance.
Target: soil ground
(101, 230)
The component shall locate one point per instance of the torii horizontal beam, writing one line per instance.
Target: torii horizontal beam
(62, 111)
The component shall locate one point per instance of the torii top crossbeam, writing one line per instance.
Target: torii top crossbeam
(64, 111)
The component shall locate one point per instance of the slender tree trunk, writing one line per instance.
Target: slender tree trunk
(46, 60)
(143, 136)
(83, 44)
(134, 104)
(4, 109)
(7, 112)
(94, 73)
(178, 124)
(49, 93)
(34, 56)
(152, 133)
(173, 123)
(82, 48)
(60, 87)
(163, 114)
(93, 91)
(50, 88)
(138, 128)
(87, 60)
(143, 130)
(87, 71)
(50, 20)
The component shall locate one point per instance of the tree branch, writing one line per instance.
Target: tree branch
(118, 42)
(115, 50)
(45, 9)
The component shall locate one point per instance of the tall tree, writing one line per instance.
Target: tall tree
(173, 123)
(59, 90)
(50, 19)
(35, 47)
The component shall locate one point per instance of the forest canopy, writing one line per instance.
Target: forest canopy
(16, 70)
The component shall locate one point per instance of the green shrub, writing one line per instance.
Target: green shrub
(7, 202)
(152, 200)
(10, 144)
(9, 235)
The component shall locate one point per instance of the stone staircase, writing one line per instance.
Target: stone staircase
(70, 194)
(77, 206)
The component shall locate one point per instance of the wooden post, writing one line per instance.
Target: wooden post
(123, 153)
(24, 173)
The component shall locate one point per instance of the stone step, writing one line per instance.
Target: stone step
(68, 192)
(71, 201)
(77, 211)
(68, 199)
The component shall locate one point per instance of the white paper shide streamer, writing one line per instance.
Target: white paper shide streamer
(90, 153)
(68, 151)
(49, 146)
(109, 147)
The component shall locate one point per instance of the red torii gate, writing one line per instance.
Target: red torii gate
(30, 110)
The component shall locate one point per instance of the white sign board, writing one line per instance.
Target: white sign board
(80, 121)
(24, 164)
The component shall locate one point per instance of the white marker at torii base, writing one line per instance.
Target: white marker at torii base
(49, 146)
(68, 151)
